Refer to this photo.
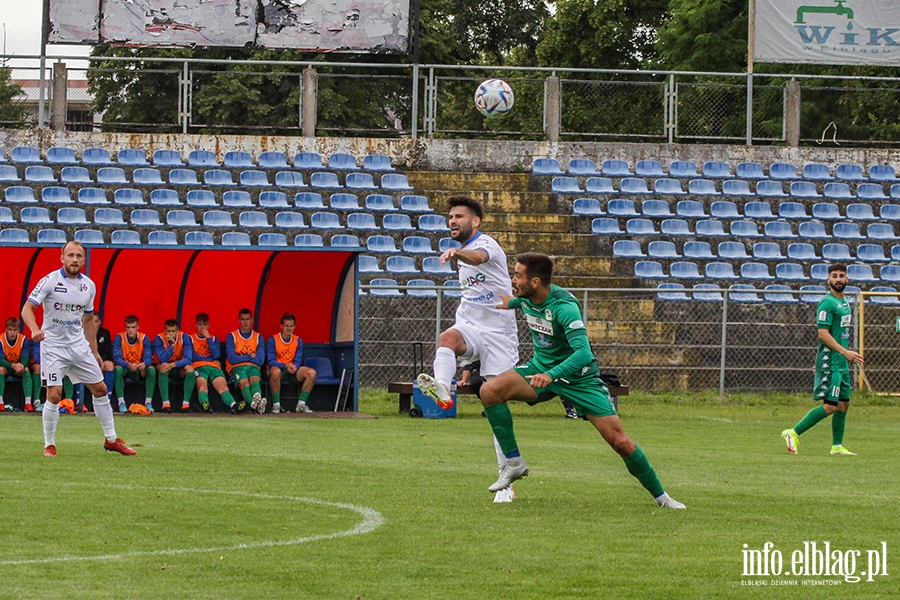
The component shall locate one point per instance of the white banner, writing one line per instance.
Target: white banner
(841, 32)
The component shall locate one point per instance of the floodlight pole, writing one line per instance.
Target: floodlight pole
(751, 29)
(414, 126)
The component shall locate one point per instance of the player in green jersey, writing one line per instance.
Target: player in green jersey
(563, 365)
(832, 385)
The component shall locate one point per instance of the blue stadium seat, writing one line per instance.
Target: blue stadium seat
(325, 180)
(790, 272)
(749, 170)
(199, 238)
(164, 197)
(273, 200)
(217, 218)
(668, 187)
(75, 175)
(9, 174)
(167, 158)
(308, 161)
(129, 197)
(860, 212)
(663, 249)
(767, 251)
(417, 244)
(325, 220)
(779, 230)
(773, 189)
(202, 158)
(836, 252)
(96, 157)
(309, 240)
(758, 210)
(648, 269)
(214, 177)
(818, 272)
(431, 223)
(583, 167)
(706, 292)
(368, 264)
(253, 219)
(546, 166)
(343, 201)
(35, 215)
(381, 243)
(871, 253)
(132, 157)
(92, 196)
(882, 173)
(710, 228)
(201, 199)
(792, 210)
(685, 270)
(401, 265)
(415, 204)
(361, 221)
(56, 195)
(395, 182)
(235, 238)
(890, 273)
(273, 160)
(858, 273)
(11, 235)
(870, 191)
(59, 155)
(633, 185)
(847, 231)
(627, 249)
(736, 187)
(432, 265)
(587, 207)
(377, 162)
(384, 287)
(702, 187)
(605, 226)
(147, 176)
(56, 237)
(640, 227)
(446, 243)
(895, 191)
(649, 168)
(238, 160)
(254, 178)
(309, 201)
(89, 236)
(716, 169)
(397, 222)
(181, 218)
(880, 231)
(145, 217)
(565, 185)
(656, 209)
(802, 251)
(677, 295)
(6, 216)
(826, 211)
(838, 191)
(744, 293)
(733, 251)
(720, 270)
(125, 237)
(783, 171)
(272, 239)
(690, 209)
(779, 294)
(812, 230)
(39, 174)
(683, 169)
(615, 168)
(849, 172)
(289, 220)
(70, 215)
(698, 250)
(183, 177)
(341, 161)
(414, 292)
(724, 209)
(162, 238)
(675, 228)
(621, 207)
(812, 294)
(289, 179)
(360, 181)
(25, 155)
(888, 300)
(816, 172)
(599, 185)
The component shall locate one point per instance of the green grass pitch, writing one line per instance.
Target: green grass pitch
(398, 508)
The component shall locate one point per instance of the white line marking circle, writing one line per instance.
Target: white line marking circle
(372, 519)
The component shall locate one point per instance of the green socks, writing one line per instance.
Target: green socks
(639, 466)
(163, 379)
(26, 386)
(838, 420)
(189, 380)
(304, 396)
(501, 422)
(150, 384)
(204, 398)
(276, 397)
(811, 418)
(36, 386)
(68, 389)
(255, 388)
(120, 383)
(227, 398)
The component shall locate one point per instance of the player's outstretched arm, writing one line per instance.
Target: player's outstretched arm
(505, 305)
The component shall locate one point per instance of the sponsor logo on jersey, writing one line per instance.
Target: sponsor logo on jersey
(845, 320)
(82, 287)
(472, 281)
(548, 314)
(65, 307)
(823, 314)
(60, 288)
(539, 325)
(578, 324)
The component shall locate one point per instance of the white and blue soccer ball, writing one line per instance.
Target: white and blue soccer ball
(493, 97)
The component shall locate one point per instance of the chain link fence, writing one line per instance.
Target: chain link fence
(712, 111)
(626, 109)
(849, 115)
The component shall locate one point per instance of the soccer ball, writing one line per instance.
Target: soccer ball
(493, 97)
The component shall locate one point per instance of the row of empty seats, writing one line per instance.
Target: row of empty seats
(387, 287)
(685, 169)
(845, 230)
(856, 273)
(770, 251)
(132, 157)
(774, 294)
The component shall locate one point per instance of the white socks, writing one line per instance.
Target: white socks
(104, 412)
(50, 418)
(501, 458)
(444, 366)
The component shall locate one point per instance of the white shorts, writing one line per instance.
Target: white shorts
(498, 351)
(75, 362)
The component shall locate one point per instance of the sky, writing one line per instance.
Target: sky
(21, 22)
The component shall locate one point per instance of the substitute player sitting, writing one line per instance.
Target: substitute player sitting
(15, 351)
(207, 368)
(245, 355)
(285, 352)
(174, 353)
(133, 357)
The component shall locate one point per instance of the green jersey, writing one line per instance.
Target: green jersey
(561, 346)
(834, 315)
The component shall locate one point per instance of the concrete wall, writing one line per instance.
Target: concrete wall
(452, 155)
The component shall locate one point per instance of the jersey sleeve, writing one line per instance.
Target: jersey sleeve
(825, 315)
(187, 351)
(298, 355)
(159, 348)
(40, 291)
(569, 319)
(270, 352)
(215, 351)
(147, 358)
(92, 289)
(260, 359)
(117, 352)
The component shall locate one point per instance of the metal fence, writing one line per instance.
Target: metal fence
(729, 345)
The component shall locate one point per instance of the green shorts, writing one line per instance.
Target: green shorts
(245, 372)
(209, 373)
(589, 394)
(832, 386)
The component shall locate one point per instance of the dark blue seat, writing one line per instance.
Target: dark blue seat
(59, 155)
(605, 226)
(377, 162)
(890, 273)
(289, 179)
(620, 207)
(309, 240)
(690, 209)
(819, 272)
(128, 237)
(546, 166)
(802, 251)
(849, 172)
(880, 231)
(201, 199)
(362, 221)
(790, 272)
(98, 157)
(648, 269)
(25, 155)
(779, 294)
(273, 160)
(582, 167)
(199, 238)
(858, 273)
(162, 238)
(698, 250)
(749, 170)
(847, 231)
(215, 177)
(683, 169)
(627, 249)
(812, 230)
(565, 185)
(56, 195)
(238, 160)
(132, 157)
(309, 201)
(183, 177)
(147, 176)
(767, 251)
(783, 171)
(341, 161)
(254, 178)
(871, 253)
(817, 172)
(587, 207)
(837, 191)
(202, 158)
(308, 161)
(649, 168)
(716, 169)
(235, 238)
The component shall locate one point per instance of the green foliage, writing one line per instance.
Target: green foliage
(699, 35)
(12, 109)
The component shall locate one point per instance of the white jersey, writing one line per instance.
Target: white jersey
(482, 284)
(65, 301)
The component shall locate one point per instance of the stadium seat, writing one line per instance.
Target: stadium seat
(662, 249)
(201, 199)
(587, 207)
(858, 273)
(675, 228)
(720, 270)
(605, 226)
(710, 228)
(383, 287)
(826, 211)
(215, 177)
(724, 209)
(882, 173)
(59, 155)
(802, 251)
(849, 172)
(415, 204)
(431, 223)
(779, 294)
(887, 300)
(289, 220)
(235, 238)
(838, 191)
(895, 191)
(847, 231)
(164, 197)
(70, 216)
(633, 185)
(702, 187)
(145, 217)
(167, 158)
(783, 171)
(75, 175)
(627, 249)
(744, 293)
(773, 189)
(432, 265)
(253, 219)
(683, 169)
(198, 238)
(860, 212)
(56, 237)
(39, 174)
(162, 238)
(890, 273)
(395, 182)
(414, 292)
(126, 237)
(129, 197)
(325, 220)
(341, 161)
(360, 181)
(254, 178)
(417, 244)
(668, 187)
(309, 201)
(736, 187)
(344, 201)
(733, 251)
(401, 265)
(9, 174)
(812, 294)
(273, 160)
(546, 166)
(870, 191)
(217, 218)
(716, 169)
(779, 230)
(183, 177)
(132, 157)
(690, 209)
(565, 185)
(308, 161)
(325, 180)
(35, 215)
(56, 195)
(621, 207)
(758, 210)
(446, 243)
(649, 168)
(377, 162)
(648, 269)
(6, 216)
(381, 243)
(684, 270)
(790, 272)
(767, 251)
(368, 264)
(583, 167)
(640, 227)
(92, 196)
(749, 170)
(397, 222)
(272, 239)
(880, 231)
(202, 158)
(656, 209)
(676, 295)
(12, 235)
(181, 218)
(96, 157)
(792, 210)
(361, 221)
(816, 172)
(836, 252)
(819, 272)
(599, 185)
(89, 236)
(309, 240)
(871, 253)
(147, 176)
(706, 292)
(273, 200)
(25, 155)
(289, 179)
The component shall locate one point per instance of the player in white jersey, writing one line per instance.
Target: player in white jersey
(481, 332)
(69, 344)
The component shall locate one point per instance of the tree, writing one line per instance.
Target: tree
(12, 108)
(704, 35)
